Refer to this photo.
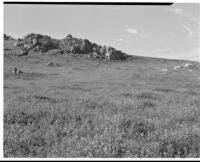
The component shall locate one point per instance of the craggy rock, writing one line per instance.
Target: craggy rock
(77, 47)
(84, 46)
(40, 43)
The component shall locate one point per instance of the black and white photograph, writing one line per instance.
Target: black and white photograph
(100, 79)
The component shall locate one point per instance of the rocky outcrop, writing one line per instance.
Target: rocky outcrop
(70, 44)
(84, 46)
(40, 43)
(188, 66)
(75, 45)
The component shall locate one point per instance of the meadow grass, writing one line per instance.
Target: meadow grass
(39, 126)
(101, 109)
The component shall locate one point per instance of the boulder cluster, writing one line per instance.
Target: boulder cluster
(40, 43)
(84, 46)
(72, 45)
(188, 66)
(37, 42)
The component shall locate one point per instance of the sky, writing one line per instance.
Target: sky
(156, 31)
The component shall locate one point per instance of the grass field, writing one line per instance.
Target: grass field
(104, 109)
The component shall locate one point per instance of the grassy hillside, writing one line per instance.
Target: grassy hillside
(94, 108)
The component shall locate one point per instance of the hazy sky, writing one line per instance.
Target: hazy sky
(157, 31)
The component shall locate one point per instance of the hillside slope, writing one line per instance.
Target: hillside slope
(63, 106)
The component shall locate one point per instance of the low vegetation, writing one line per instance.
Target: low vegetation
(102, 109)
(39, 126)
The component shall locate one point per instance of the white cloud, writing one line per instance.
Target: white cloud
(180, 12)
(122, 40)
(136, 32)
(132, 31)
(119, 39)
(190, 33)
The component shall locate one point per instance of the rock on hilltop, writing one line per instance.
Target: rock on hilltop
(40, 43)
(68, 45)
(84, 46)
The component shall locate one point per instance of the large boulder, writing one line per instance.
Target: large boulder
(113, 54)
(22, 52)
(75, 45)
(40, 43)
(53, 64)
(45, 45)
(16, 71)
